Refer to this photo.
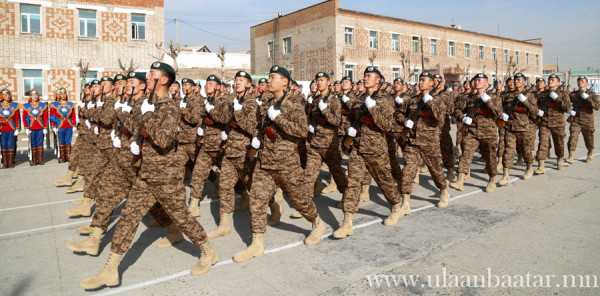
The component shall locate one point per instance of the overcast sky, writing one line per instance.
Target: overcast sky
(570, 29)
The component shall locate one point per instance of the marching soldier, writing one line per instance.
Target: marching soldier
(478, 113)
(584, 101)
(63, 122)
(446, 145)
(553, 103)
(9, 128)
(160, 179)
(35, 119)
(372, 121)
(510, 87)
(520, 108)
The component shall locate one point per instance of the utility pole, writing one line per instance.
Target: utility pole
(422, 56)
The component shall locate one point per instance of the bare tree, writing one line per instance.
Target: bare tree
(221, 56)
(372, 57)
(127, 68)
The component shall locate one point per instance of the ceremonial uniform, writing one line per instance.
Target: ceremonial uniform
(9, 129)
(62, 120)
(35, 118)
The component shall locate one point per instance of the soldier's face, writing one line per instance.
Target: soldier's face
(174, 89)
(121, 87)
(346, 85)
(540, 84)
(425, 83)
(371, 80)
(338, 87)
(519, 83)
(262, 87)
(107, 86)
(211, 87)
(481, 83)
(96, 89)
(187, 87)
(277, 82)
(34, 96)
(322, 83)
(553, 82)
(241, 84)
(582, 83)
(361, 87)
(511, 84)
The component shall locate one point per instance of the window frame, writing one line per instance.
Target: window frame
(348, 36)
(270, 48)
(86, 26)
(433, 42)
(284, 49)
(395, 44)
(452, 53)
(353, 70)
(373, 43)
(467, 50)
(418, 44)
(28, 15)
(32, 79)
(135, 27)
(481, 52)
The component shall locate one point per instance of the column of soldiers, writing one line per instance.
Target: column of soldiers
(143, 138)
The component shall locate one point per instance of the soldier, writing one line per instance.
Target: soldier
(553, 104)
(187, 137)
(35, 120)
(9, 128)
(446, 145)
(479, 112)
(279, 164)
(371, 122)
(424, 116)
(584, 101)
(175, 91)
(63, 122)
(510, 87)
(520, 108)
(160, 179)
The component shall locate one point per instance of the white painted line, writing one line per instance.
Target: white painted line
(38, 205)
(45, 228)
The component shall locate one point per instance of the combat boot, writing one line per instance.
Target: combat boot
(588, 159)
(331, 187)
(255, 249)
(540, 170)
(108, 276)
(224, 227)
(491, 185)
(529, 172)
(504, 181)
(560, 164)
(173, 237)
(84, 209)
(443, 203)
(85, 230)
(90, 245)
(364, 193)
(276, 212)
(194, 207)
(499, 167)
(345, 229)
(295, 214)
(207, 260)
(571, 157)
(77, 186)
(468, 175)
(399, 210)
(318, 230)
(66, 180)
(460, 182)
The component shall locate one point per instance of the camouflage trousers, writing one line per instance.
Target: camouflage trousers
(487, 147)
(517, 142)
(232, 170)
(75, 154)
(588, 136)
(378, 167)
(97, 160)
(332, 157)
(557, 134)
(447, 146)
(394, 161)
(366, 179)
(142, 197)
(501, 133)
(204, 161)
(431, 156)
(292, 180)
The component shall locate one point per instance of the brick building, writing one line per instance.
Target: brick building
(325, 37)
(42, 41)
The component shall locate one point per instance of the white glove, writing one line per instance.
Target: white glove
(88, 124)
(427, 97)
(147, 107)
(118, 105)
(370, 103)
(74, 129)
(55, 130)
(236, 105)
(310, 100)
(540, 113)
(504, 117)
(208, 106)
(134, 148)
(399, 100)
(311, 129)
(258, 102)
(255, 143)
(322, 105)
(273, 113)
(467, 120)
(345, 99)
(182, 104)
(585, 96)
(522, 98)
(116, 142)
(223, 136)
(351, 132)
(113, 134)
(45, 131)
(126, 108)
(572, 113)
(16, 133)
(99, 104)
(90, 105)
(553, 95)
(27, 131)
(96, 131)
(81, 104)
(409, 123)
(200, 131)
(485, 98)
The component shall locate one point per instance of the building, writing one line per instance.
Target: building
(199, 62)
(42, 41)
(325, 37)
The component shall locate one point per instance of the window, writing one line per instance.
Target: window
(373, 39)
(467, 50)
(395, 42)
(87, 23)
(395, 72)
(415, 44)
(270, 48)
(287, 45)
(90, 76)
(138, 26)
(433, 47)
(348, 36)
(494, 54)
(527, 58)
(481, 52)
(349, 70)
(30, 18)
(506, 56)
(32, 79)
(451, 48)
(517, 59)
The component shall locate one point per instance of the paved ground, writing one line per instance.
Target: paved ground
(545, 226)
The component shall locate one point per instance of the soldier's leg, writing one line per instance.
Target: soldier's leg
(558, 139)
(200, 173)
(412, 159)
(470, 145)
(313, 167)
(333, 158)
(227, 180)
(392, 150)
(381, 171)
(543, 149)
(488, 148)
(447, 148)
(501, 133)
(510, 148)
(574, 131)
(159, 215)
(432, 157)
(350, 198)
(588, 138)
(524, 140)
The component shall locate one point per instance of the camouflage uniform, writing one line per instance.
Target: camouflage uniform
(583, 120)
(552, 123)
(518, 128)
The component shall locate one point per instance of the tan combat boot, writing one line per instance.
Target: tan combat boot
(108, 276)
(255, 249)
(295, 214)
(90, 245)
(423, 170)
(560, 164)
(588, 159)
(528, 173)
(85, 230)
(443, 203)
(77, 187)
(345, 229)
(66, 180)
(364, 193)
(84, 209)
(505, 178)
(224, 227)
(499, 167)
(541, 168)
(173, 237)
(468, 175)
(399, 210)
(460, 182)
(318, 230)
(491, 185)
(571, 157)
(276, 212)
(331, 187)
(194, 207)
(208, 258)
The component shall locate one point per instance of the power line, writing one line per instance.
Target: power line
(209, 32)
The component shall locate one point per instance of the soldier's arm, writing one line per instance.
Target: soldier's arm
(333, 112)
(107, 115)
(495, 105)
(531, 105)
(595, 100)
(438, 108)
(162, 126)
(383, 113)
(293, 120)
(223, 110)
(564, 102)
(247, 118)
(193, 114)
(459, 109)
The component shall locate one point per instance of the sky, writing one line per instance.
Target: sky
(570, 29)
